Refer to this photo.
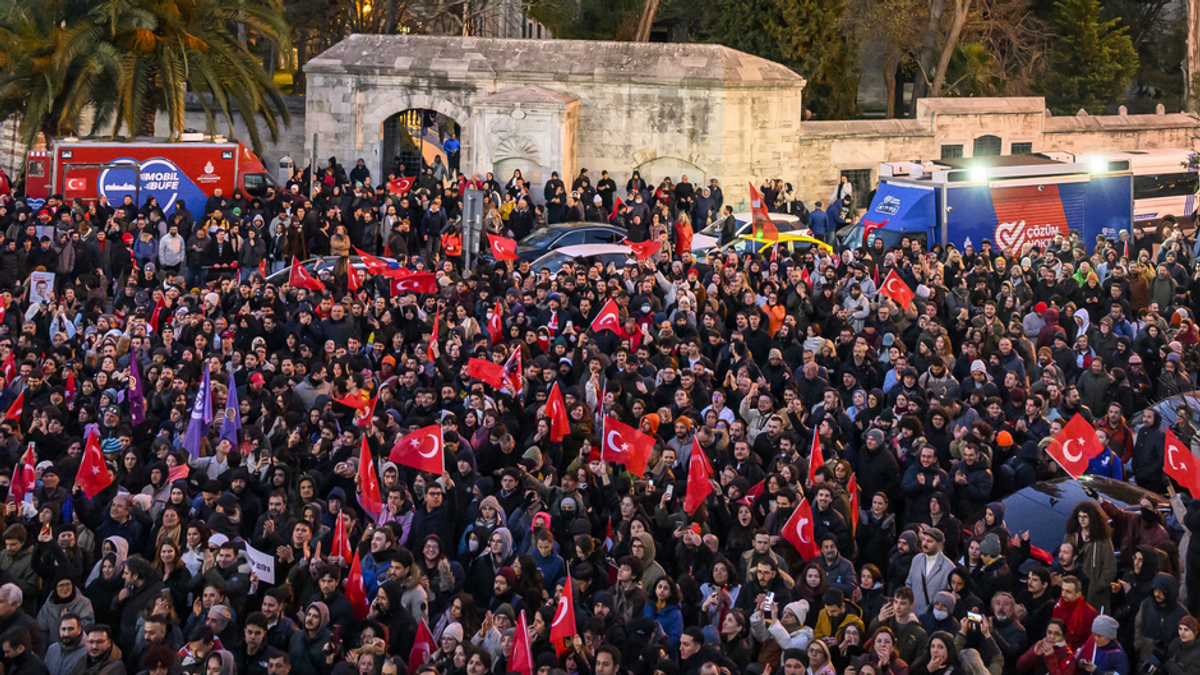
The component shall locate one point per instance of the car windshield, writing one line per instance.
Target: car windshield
(540, 238)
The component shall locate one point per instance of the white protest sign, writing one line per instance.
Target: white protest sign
(263, 564)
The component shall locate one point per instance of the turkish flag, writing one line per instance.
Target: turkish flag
(420, 282)
(894, 287)
(806, 278)
(437, 317)
(422, 449)
(617, 204)
(609, 318)
(355, 401)
(14, 410)
(699, 483)
(799, 531)
(489, 372)
(625, 445)
(374, 265)
(816, 458)
(514, 380)
(401, 185)
(262, 268)
(300, 278)
(355, 592)
(352, 280)
(562, 627)
(869, 227)
(93, 472)
(852, 488)
(362, 416)
(643, 249)
(369, 496)
(71, 388)
(1181, 464)
(423, 646)
(502, 248)
(764, 229)
(24, 479)
(1074, 446)
(495, 325)
(756, 490)
(556, 411)
(521, 658)
(341, 540)
(10, 363)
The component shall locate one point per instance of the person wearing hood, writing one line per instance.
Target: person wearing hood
(307, 647)
(1050, 327)
(481, 576)
(387, 607)
(643, 548)
(1157, 621)
(490, 517)
(1149, 446)
(64, 599)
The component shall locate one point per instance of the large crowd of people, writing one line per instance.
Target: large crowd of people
(926, 417)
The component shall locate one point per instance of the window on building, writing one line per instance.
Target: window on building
(951, 151)
(1022, 148)
(986, 146)
(860, 180)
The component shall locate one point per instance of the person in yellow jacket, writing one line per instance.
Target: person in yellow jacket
(836, 615)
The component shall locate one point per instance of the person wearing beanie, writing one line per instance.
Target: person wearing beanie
(940, 616)
(1183, 656)
(995, 576)
(1102, 649)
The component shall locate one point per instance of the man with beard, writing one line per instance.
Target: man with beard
(388, 609)
(65, 657)
(341, 612)
(307, 647)
(103, 657)
(839, 572)
(279, 628)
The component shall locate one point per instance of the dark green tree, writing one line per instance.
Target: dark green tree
(1091, 61)
(804, 35)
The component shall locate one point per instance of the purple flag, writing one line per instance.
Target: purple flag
(197, 427)
(137, 401)
(231, 421)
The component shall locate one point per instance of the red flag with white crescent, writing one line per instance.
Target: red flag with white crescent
(300, 277)
(764, 229)
(433, 339)
(24, 479)
(353, 282)
(355, 592)
(369, 496)
(418, 282)
(552, 324)
(609, 318)
(800, 532)
(502, 247)
(495, 325)
(514, 378)
(1179, 463)
(93, 474)
(699, 480)
(556, 411)
(71, 388)
(816, 458)
(625, 445)
(894, 287)
(423, 646)
(521, 658)
(421, 449)
(643, 249)
(806, 278)
(399, 186)
(362, 416)
(17, 407)
(374, 265)
(341, 540)
(562, 627)
(10, 364)
(1074, 446)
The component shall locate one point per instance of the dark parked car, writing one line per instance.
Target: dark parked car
(1043, 508)
(543, 240)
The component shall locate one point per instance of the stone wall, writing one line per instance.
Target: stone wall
(826, 149)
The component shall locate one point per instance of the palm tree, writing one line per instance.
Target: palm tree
(130, 59)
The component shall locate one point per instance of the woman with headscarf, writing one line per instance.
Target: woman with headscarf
(102, 590)
(481, 576)
(221, 663)
(119, 548)
(64, 598)
(491, 517)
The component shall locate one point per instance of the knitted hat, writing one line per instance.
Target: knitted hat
(877, 435)
(1004, 439)
(509, 574)
(946, 598)
(990, 546)
(799, 608)
(454, 630)
(1105, 626)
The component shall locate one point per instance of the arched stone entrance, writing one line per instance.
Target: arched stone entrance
(414, 138)
(394, 111)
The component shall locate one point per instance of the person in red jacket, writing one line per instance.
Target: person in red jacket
(1075, 612)
(1051, 655)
